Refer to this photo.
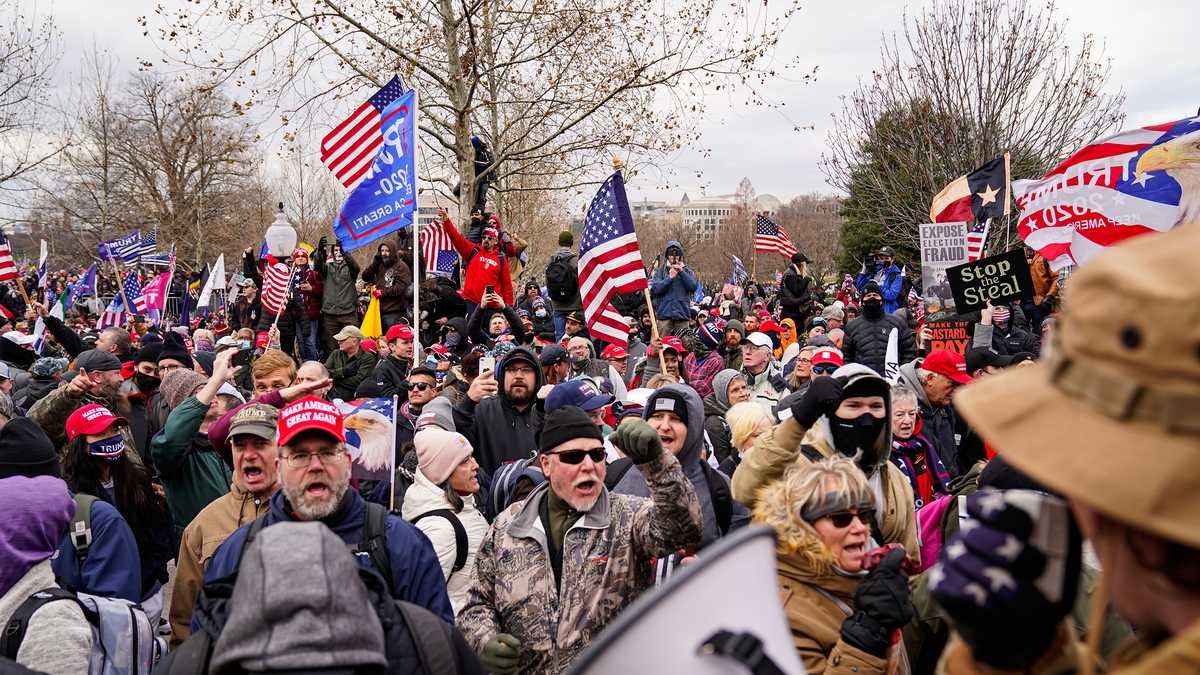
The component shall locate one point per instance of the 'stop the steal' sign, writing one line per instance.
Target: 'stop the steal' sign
(998, 279)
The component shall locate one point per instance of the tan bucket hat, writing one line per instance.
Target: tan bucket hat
(1111, 418)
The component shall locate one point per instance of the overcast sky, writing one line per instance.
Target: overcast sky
(1151, 44)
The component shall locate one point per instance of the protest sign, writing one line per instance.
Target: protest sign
(942, 245)
(952, 335)
(998, 279)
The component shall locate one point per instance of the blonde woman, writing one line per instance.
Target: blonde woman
(842, 618)
(747, 421)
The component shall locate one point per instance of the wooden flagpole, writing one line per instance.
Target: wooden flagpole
(120, 286)
(754, 254)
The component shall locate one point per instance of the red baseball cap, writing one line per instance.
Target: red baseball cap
(491, 232)
(673, 342)
(262, 339)
(399, 332)
(614, 353)
(91, 419)
(827, 356)
(439, 349)
(310, 414)
(770, 326)
(948, 363)
(370, 345)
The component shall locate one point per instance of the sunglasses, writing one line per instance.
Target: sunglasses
(597, 455)
(822, 369)
(420, 386)
(843, 519)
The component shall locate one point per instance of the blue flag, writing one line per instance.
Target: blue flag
(85, 286)
(386, 200)
(126, 249)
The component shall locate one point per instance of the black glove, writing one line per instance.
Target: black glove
(882, 605)
(986, 581)
(822, 398)
(639, 441)
(377, 262)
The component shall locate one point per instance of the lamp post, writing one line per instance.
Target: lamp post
(281, 236)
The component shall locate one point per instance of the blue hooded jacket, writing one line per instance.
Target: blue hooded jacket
(416, 572)
(891, 280)
(672, 297)
(112, 568)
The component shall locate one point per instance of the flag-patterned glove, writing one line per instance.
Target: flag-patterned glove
(985, 579)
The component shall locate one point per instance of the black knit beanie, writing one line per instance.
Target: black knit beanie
(567, 423)
(174, 348)
(25, 450)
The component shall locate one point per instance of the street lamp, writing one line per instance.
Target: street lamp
(281, 236)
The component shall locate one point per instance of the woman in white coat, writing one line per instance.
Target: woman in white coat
(440, 503)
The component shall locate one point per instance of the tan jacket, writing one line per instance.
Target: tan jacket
(1180, 654)
(1045, 282)
(606, 564)
(779, 448)
(211, 527)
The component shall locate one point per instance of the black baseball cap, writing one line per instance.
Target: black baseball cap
(982, 357)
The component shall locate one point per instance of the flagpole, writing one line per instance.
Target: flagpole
(654, 336)
(287, 292)
(1007, 203)
(753, 256)
(120, 286)
(392, 455)
(416, 238)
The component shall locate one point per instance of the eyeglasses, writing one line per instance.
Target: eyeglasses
(842, 519)
(823, 369)
(163, 370)
(300, 460)
(420, 386)
(576, 456)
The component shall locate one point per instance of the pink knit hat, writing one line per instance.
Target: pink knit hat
(439, 452)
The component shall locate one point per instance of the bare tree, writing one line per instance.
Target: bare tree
(554, 87)
(29, 52)
(963, 82)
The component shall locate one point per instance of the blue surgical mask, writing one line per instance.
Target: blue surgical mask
(108, 449)
(451, 340)
(245, 344)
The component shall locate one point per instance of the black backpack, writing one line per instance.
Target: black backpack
(461, 546)
(562, 279)
(718, 489)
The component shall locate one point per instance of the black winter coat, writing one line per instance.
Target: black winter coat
(867, 339)
(498, 431)
(391, 376)
(1016, 340)
(796, 295)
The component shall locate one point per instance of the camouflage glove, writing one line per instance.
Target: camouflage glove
(639, 441)
(501, 655)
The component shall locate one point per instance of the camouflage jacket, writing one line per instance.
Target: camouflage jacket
(53, 409)
(606, 565)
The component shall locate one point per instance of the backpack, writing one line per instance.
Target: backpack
(416, 639)
(718, 489)
(562, 279)
(80, 530)
(461, 546)
(123, 639)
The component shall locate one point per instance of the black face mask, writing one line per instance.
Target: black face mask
(147, 384)
(873, 308)
(850, 437)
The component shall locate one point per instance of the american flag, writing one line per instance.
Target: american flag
(115, 314)
(770, 237)
(349, 150)
(127, 249)
(276, 276)
(1126, 185)
(609, 261)
(437, 250)
(8, 267)
(739, 271)
(976, 237)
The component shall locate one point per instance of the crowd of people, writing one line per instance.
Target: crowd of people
(544, 479)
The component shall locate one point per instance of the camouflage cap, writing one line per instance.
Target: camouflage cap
(258, 419)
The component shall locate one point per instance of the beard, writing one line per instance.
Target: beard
(318, 508)
(519, 396)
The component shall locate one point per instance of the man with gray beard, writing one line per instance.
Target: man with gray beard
(572, 528)
(314, 476)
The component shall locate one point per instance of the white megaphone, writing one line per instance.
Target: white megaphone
(720, 615)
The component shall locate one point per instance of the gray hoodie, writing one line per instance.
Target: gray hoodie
(633, 483)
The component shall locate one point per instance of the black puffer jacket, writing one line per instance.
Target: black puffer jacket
(497, 430)
(867, 340)
(796, 295)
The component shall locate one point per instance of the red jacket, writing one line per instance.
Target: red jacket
(484, 268)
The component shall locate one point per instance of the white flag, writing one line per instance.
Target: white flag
(217, 272)
(891, 359)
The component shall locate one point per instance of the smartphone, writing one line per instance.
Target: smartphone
(487, 363)
(489, 289)
(1054, 534)
(242, 358)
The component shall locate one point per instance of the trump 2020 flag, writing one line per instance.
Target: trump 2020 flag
(386, 200)
(1135, 182)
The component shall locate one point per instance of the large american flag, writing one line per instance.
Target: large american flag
(770, 237)
(350, 148)
(1119, 187)
(115, 315)
(437, 250)
(609, 261)
(976, 237)
(276, 276)
(8, 267)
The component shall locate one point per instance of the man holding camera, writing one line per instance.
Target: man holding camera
(486, 265)
(880, 267)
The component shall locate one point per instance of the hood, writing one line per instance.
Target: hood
(424, 496)
(36, 514)
(821, 436)
(528, 355)
(672, 243)
(689, 456)
(720, 392)
(302, 606)
(801, 555)
(908, 375)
